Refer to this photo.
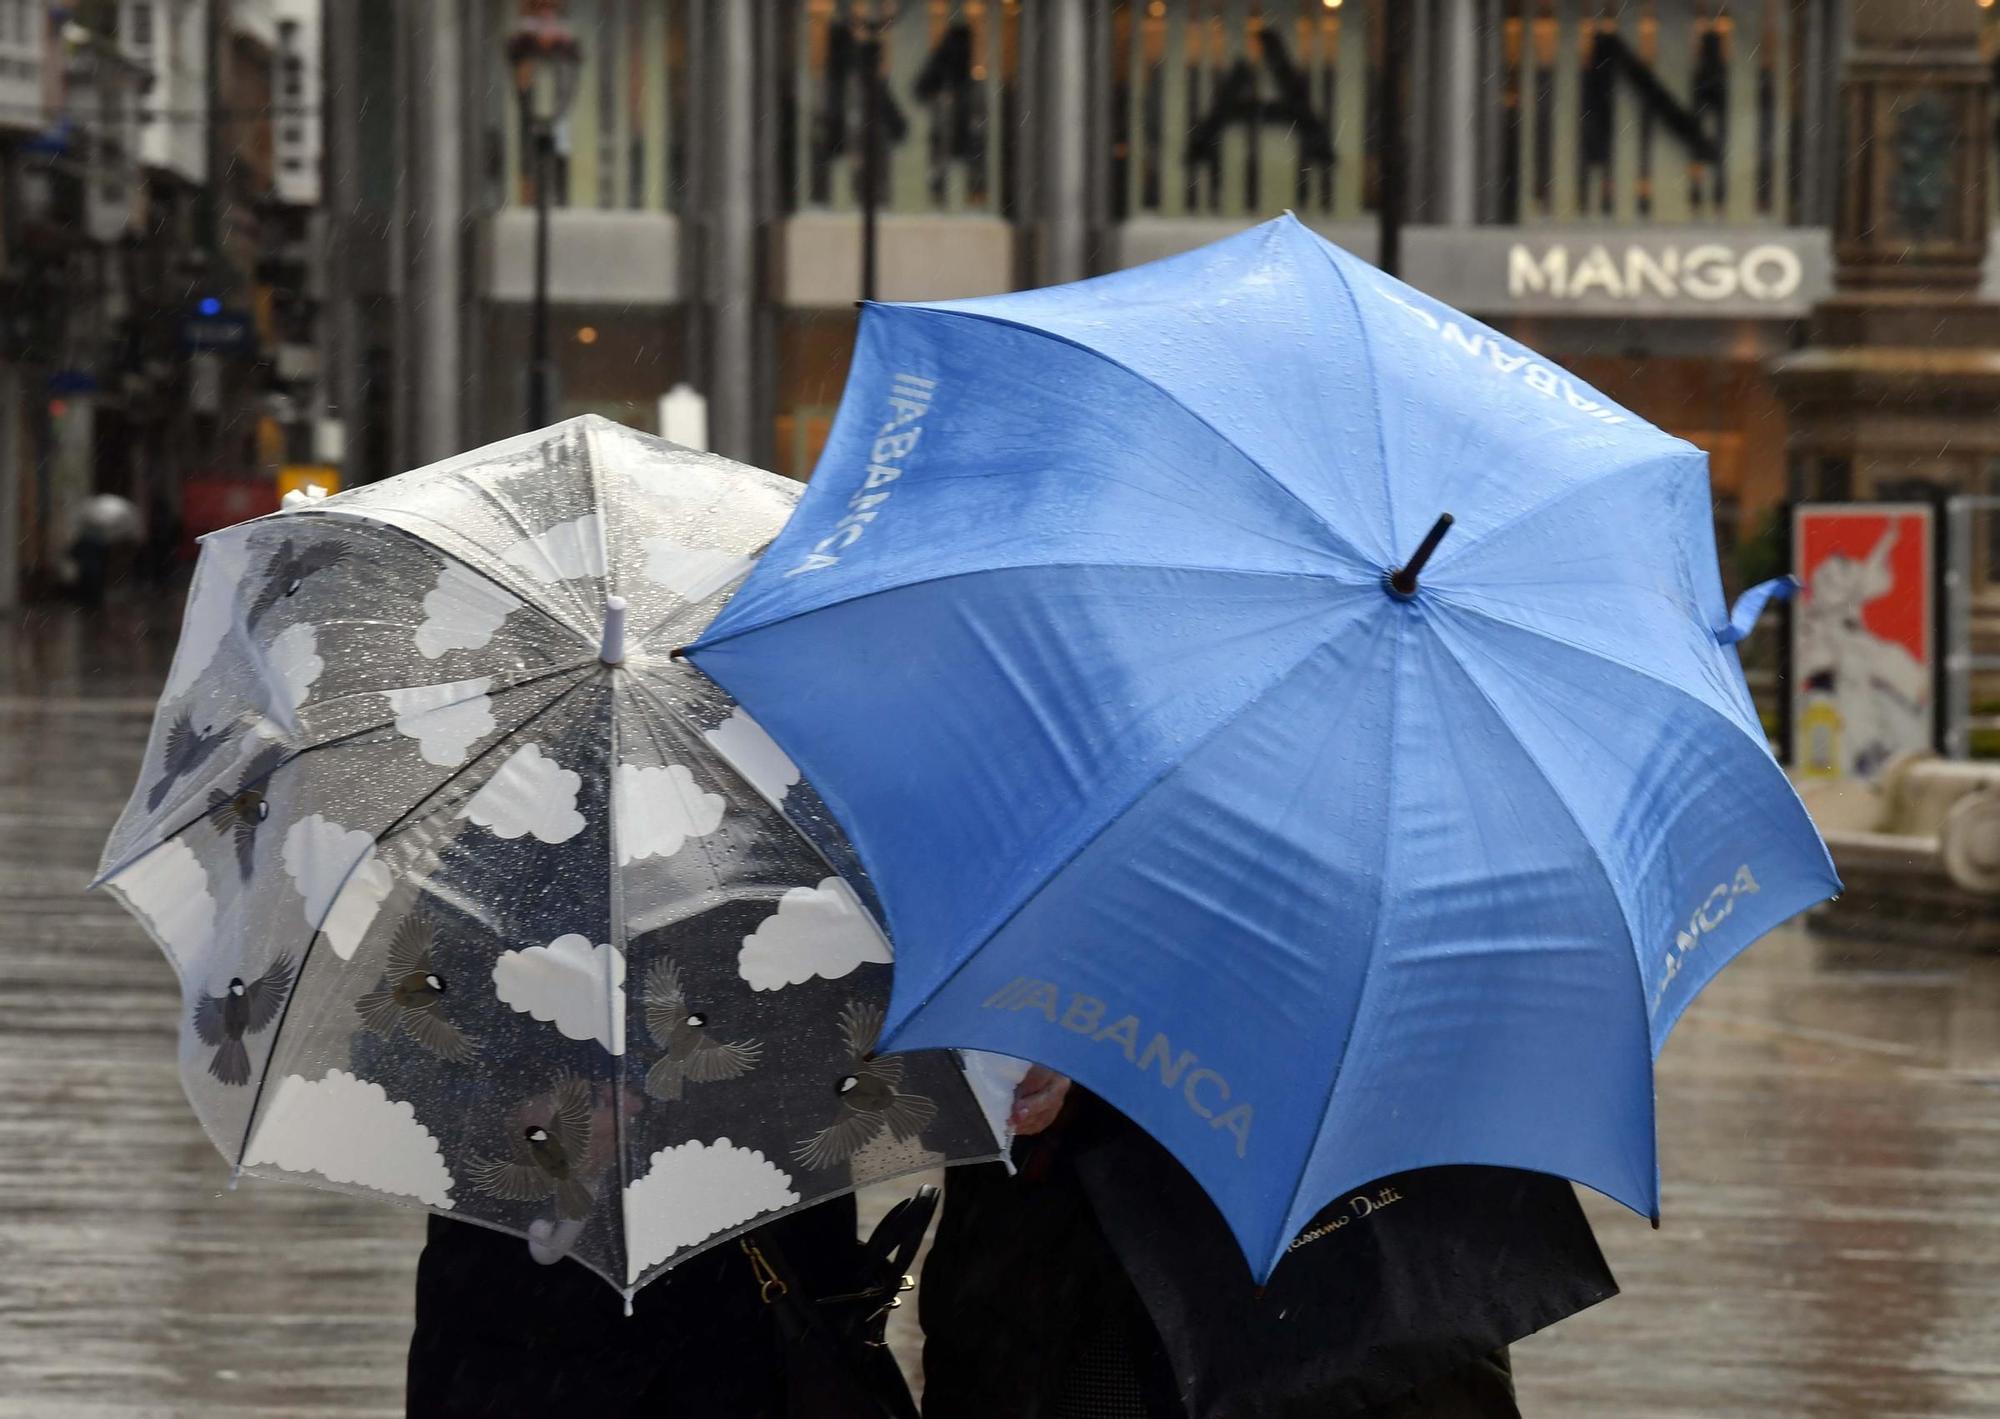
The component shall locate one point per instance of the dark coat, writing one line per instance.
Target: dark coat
(499, 1335)
(1393, 1302)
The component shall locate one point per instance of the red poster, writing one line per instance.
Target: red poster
(1862, 636)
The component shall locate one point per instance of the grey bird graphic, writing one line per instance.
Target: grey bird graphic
(287, 572)
(870, 1097)
(245, 1008)
(547, 1156)
(412, 1000)
(187, 750)
(242, 812)
(693, 1056)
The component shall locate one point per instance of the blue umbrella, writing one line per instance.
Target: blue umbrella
(1197, 753)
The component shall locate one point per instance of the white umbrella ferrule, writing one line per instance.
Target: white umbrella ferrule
(611, 646)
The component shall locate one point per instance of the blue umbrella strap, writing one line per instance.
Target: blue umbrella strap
(1750, 605)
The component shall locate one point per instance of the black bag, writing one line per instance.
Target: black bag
(836, 1360)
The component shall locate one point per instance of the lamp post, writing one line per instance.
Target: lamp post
(545, 58)
(868, 48)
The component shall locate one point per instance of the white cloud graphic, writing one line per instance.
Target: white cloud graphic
(578, 987)
(816, 931)
(295, 662)
(659, 809)
(530, 793)
(693, 1190)
(445, 720)
(691, 572)
(567, 550)
(463, 612)
(168, 888)
(210, 613)
(350, 1131)
(318, 855)
(745, 747)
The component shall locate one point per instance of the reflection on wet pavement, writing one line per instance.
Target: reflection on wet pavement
(1829, 1115)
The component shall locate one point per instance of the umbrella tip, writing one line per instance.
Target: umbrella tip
(1403, 580)
(611, 646)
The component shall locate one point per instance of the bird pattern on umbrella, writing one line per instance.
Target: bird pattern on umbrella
(244, 1008)
(288, 570)
(483, 849)
(240, 814)
(412, 1000)
(693, 1055)
(187, 750)
(868, 1098)
(548, 1155)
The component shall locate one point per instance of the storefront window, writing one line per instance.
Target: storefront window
(1231, 109)
(1660, 111)
(946, 106)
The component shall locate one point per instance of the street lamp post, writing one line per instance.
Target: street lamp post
(868, 48)
(545, 58)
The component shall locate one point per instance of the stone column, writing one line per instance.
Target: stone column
(1063, 96)
(436, 230)
(735, 124)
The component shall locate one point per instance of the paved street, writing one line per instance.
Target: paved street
(1830, 1118)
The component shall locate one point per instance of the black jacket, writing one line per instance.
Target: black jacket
(1393, 1301)
(498, 1335)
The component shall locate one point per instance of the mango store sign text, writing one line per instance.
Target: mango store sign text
(1706, 273)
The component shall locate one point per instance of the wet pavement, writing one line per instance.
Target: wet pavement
(1829, 1119)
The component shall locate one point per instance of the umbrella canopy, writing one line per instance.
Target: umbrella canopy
(466, 916)
(1166, 785)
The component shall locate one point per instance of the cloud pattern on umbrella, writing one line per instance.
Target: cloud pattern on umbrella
(424, 844)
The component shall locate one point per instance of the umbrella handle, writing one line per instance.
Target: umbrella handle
(1403, 580)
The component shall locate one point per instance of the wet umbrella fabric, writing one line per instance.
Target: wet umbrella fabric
(1164, 785)
(465, 917)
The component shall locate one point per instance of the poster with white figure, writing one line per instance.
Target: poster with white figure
(1862, 637)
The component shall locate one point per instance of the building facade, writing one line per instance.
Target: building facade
(1645, 190)
(155, 255)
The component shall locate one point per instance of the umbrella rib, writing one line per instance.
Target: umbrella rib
(1317, 519)
(305, 957)
(1603, 869)
(1470, 609)
(362, 519)
(1617, 470)
(621, 942)
(1369, 582)
(1374, 384)
(1144, 790)
(1367, 968)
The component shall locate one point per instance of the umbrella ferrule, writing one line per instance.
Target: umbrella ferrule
(1403, 580)
(611, 646)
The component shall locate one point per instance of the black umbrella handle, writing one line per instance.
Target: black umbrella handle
(1403, 580)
